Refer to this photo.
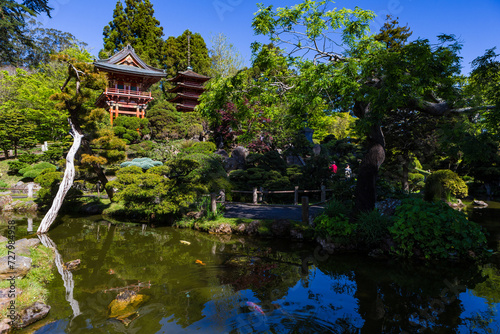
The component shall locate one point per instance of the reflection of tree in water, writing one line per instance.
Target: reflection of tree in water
(394, 298)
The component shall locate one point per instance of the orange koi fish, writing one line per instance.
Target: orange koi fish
(256, 308)
(200, 262)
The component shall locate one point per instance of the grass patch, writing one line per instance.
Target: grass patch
(5, 177)
(33, 284)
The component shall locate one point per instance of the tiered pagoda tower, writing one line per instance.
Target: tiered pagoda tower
(129, 79)
(189, 87)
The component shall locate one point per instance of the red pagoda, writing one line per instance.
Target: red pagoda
(129, 78)
(189, 87)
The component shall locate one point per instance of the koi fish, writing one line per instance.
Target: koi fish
(255, 308)
(200, 262)
(185, 242)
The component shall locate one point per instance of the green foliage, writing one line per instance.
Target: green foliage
(433, 230)
(444, 183)
(29, 158)
(334, 223)
(144, 163)
(3, 184)
(372, 228)
(199, 147)
(175, 54)
(15, 166)
(167, 123)
(130, 128)
(135, 25)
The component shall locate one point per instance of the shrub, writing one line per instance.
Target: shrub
(200, 147)
(3, 184)
(443, 184)
(29, 158)
(33, 171)
(435, 231)
(334, 222)
(144, 163)
(372, 228)
(15, 166)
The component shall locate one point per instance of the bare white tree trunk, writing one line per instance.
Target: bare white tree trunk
(66, 183)
(67, 276)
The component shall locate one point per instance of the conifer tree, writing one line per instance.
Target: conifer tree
(136, 25)
(175, 55)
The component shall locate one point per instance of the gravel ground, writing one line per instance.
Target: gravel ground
(235, 210)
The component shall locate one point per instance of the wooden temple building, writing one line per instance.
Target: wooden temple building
(129, 79)
(188, 87)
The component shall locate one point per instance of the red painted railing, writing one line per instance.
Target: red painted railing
(127, 92)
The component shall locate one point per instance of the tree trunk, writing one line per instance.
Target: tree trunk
(66, 183)
(406, 168)
(6, 153)
(365, 193)
(98, 170)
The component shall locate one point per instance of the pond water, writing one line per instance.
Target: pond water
(184, 281)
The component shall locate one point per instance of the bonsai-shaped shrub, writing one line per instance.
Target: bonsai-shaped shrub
(15, 166)
(33, 171)
(144, 163)
(29, 158)
(443, 184)
(435, 231)
(49, 180)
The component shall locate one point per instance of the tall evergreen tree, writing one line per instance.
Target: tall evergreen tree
(175, 55)
(135, 25)
(13, 30)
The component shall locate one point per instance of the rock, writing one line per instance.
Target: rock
(296, 234)
(327, 245)
(221, 229)
(242, 261)
(281, 228)
(24, 206)
(23, 246)
(125, 305)
(20, 268)
(5, 200)
(72, 265)
(377, 254)
(4, 297)
(253, 227)
(240, 155)
(4, 326)
(388, 206)
(241, 228)
(222, 153)
(196, 214)
(480, 203)
(8, 208)
(32, 314)
(3, 239)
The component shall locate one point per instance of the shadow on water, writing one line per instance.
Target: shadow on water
(137, 279)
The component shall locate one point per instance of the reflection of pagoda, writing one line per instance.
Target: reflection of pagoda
(129, 78)
(189, 87)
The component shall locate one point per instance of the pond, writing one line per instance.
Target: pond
(184, 281)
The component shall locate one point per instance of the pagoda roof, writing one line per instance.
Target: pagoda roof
(182, 97)
(128, 62)
(191, 74)
(183, 86)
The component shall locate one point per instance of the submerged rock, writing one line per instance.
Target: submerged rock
(124, 306)
(72, 265)
(480, 203)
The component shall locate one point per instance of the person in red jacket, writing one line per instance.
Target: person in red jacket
(333, 168)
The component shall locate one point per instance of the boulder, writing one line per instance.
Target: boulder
(240, 155)
(253, 227)
(480, 203)
(296, 235)
(5, 299)
(20, 268)
(240, 228)
(3, 239)
(281, 228)
(222, 153)
(5, 200)
(125, 306)
(223, 228)
(23, 246)
(32, 314)
(4, 326)
(72, 265)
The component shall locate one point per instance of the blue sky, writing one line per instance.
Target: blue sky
(475, 23)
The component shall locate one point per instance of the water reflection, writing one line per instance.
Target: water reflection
(230, 284)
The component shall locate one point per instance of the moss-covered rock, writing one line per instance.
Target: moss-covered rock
(444, 184)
